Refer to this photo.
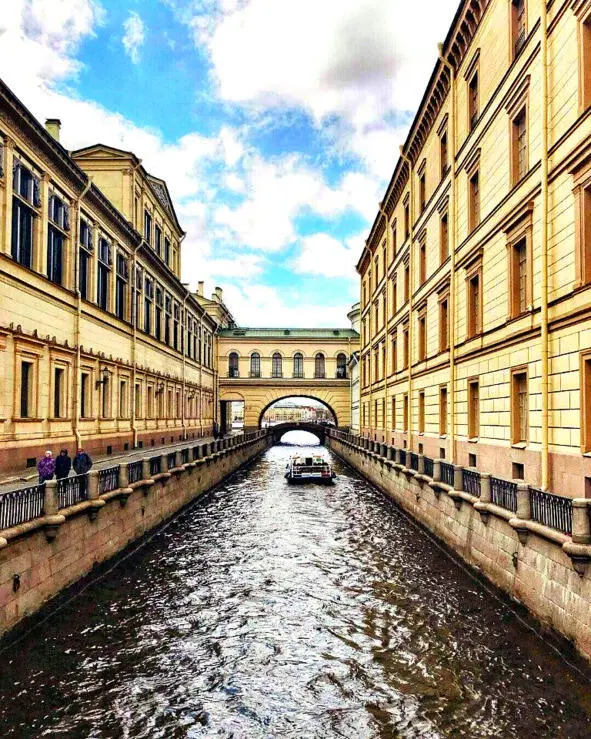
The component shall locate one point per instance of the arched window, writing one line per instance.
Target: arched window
(298, 365)
(255, 364)
(233, 365)
(319, 365)
(276, 366)
(341, 366)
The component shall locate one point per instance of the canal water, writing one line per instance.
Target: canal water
(268, 610)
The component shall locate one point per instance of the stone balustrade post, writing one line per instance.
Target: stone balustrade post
(458, 477)
(50, 501)
(384, 450)
(523, 501)
(146, 469)
(421, 464)
(123, 475)
(436, 470)
(581, 521)
(93, 485)
(163, 463)
(391, 453)
(485, 487)
(399, 456)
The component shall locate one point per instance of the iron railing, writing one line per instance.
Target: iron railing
(471, 482)
(156, 465)
(108, 479)
(134, 471)
(72, 490)
(503, 493)
(184, 456)
(22, 505)
(555, 511)
(414, 462)
(428, 466)
(171, 460)
(447, 473)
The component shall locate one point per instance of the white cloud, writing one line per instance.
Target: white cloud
(324, 255)
(134, 36)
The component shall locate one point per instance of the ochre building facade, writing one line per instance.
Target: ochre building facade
(476, 275)
(100, 343)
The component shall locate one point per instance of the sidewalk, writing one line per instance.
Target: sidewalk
(29, 476)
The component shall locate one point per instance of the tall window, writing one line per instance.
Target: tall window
(443, 324)
(422, 336)
(406, 283)
(167, 318)
(103, 273)
(474, 299)
(319, 365)
(26, 198)
(405, 347)
(519, 146)
(167, 251)
(443, 238)
(519, 25)
(26, 394)
(474, 200)
(150, 401)
(406, 220)
(520, 407)
(473, 99)
(422, 191)
(518, 281)
(233, 370)
(422, 412)
(298, 364)
(422, 262)
(394, 294)
(123, 399)
(158, 240)
(341, 366)
(394, 238)
(148, 300)
(393, 412)
(56, 237)
(443, 154)
(84, 256)
(394, 355)
(585, 63)
(147, 227)
(121, 287)
(473, 409)
(58, 393)
(85, 405)
(176, 315)
(405, 413)
(106, 398)
(158, 313)
(276, 365)
(255, 364)
(137, 401)
(586, 405)
(442, 411)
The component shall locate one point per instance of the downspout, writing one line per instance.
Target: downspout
(134, 319)
(410, 289)
(452, 250)
(386, 322)
(544, 335)
(76, 398)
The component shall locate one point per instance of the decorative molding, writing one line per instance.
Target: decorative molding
(516, 97)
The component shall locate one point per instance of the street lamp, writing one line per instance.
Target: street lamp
(105, 374)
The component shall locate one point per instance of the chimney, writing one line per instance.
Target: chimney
(53, 126)
(218, 294)
(200, 288)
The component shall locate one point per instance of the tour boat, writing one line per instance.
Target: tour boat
(309, 469)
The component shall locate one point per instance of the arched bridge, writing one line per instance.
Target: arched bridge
(279, 429)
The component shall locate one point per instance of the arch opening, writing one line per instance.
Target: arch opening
(297, 409)
(299, 438)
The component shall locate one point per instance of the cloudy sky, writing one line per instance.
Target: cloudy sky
(276, 124)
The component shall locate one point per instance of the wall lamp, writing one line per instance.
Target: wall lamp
(160, 388)
(105, 374)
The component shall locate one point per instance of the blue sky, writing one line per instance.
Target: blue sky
(276, 124)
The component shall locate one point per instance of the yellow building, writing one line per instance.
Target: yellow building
(475, 277)
(100, 343)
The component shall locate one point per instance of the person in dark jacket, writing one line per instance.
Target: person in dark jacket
(216, 430)
(82, 462)
(46, 467)
(63, 464)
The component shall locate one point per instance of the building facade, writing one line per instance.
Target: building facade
(100, 343)
(476, 275)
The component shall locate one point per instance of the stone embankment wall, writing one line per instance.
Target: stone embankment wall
(544, 569)
(43, 556)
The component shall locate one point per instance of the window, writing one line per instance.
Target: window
(341, 366)
(406, 283)
(103, 273)
(58, 215)
(519, 165)
(519, 407)
(148, 300)
(58, 393)
(176, 315)
(474, 300)
(518, 22)
(443, 154)
(474, 201)
(106, 398)
(84, 256)
(473, 409)
(405, 411)
(85, 395)
(394, 238)
(158, 314)
(422, 412)
(518, 278)
(394, 355)
(167, 251)
(26, 197)
(233, 370)
(147, 227)
(443, 238)
(276, 365)
(319, 366)
(393, 412)
(121, 287)
(422, 347)
(383, 311)
(376, 364)
(298, 365)
(123, 399)
(422, 191)
(406, 220)
(473, 101)
(585, 63)
(586, 404)
(158, 240)
(442, 411)
(167, 318)
(26, 395)
(137, 401)
(443, 324)
(422, 262)
(382, 360)
(405, 347)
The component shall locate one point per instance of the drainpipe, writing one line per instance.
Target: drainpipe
(76, 398)
(134, 318)
(452, 239)
(386, 319)
(544, 335)
(410, 289)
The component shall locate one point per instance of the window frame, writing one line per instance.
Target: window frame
(516, 421)
(473, 421)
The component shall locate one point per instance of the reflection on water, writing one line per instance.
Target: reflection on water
(299, 438)
(273, 611)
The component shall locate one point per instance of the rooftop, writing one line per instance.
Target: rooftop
(293, 333)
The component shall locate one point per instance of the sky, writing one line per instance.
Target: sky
(275, 123)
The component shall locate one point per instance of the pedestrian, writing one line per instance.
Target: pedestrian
(63, 464)
(82, 462)
(216, 430)
(46, 467)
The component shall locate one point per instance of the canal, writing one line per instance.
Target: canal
(274, 611)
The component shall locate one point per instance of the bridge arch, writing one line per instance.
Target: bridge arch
(308, 396)
(280, 429)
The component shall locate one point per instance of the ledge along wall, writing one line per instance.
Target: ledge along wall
(42, 557)
(543, 569)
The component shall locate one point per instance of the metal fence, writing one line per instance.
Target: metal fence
(414, 461)
(22, 505)
(471, 480)
(156, 465)
(134, 471)
(503, 493)
(428, 466)
(108, 479)
(555, 511)
(447, 473)
(72, 490)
